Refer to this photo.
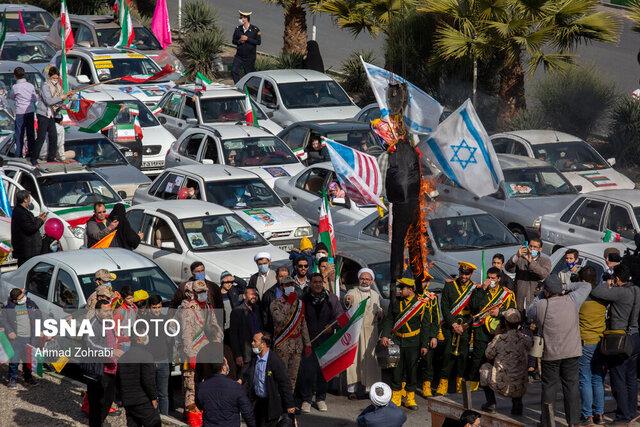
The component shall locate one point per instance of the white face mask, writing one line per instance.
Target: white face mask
(240, 21)
(320, 255)
(255, 350)
(492, 284)
(22, 300)
(288, 290)
(202, 297)
(364, 288)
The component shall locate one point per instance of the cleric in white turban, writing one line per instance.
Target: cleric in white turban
(265, 278)
(381, 412)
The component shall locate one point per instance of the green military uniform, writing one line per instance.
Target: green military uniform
(432, 313)
(481, 300)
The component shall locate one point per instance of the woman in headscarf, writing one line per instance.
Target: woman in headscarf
(47, 108)
(313, 60)
(126, 237)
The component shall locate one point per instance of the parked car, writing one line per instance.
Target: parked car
(368, 113)
(36, 20)
(590, 254)
(67, 190)
(218, 104)
(62, 281)
(350, 132)
(91, 66)
(454, 232)
(589, 217)
(104, 31)
(156, 140)
(246, 147)
(237, 189)
(32, 74)
(531, 188)
(303, 193)
(578, 161)
(179, 232)
(297, 95)
(28, 49)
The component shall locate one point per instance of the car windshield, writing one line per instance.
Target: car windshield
(7, 79)
(219, 233)
(383, 277)
(95, 152)
(481, 231)
(29, 52)
(135, 108)
(39, 22)
(144, 39)
(75, 189)
(242, 194)
(114, 68)
(264, 151)
(326, 93)
(361, 140)
(6, 121)
(535, 182)
(151, 279)
(570, 156)
(636, 212)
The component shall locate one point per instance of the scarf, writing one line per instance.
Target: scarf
(318, 299)
(56, 89)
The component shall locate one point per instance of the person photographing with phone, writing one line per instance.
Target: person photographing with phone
(531, 268)
(25, 229)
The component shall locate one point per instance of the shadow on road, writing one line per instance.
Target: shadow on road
(313, 420)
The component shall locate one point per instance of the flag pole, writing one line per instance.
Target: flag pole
(326, 329)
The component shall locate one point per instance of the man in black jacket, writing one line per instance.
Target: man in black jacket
(267, 384)
(245, 322)
(25, 237)
(137, 378)
(321, 309)
(246, 37)
(214, 295)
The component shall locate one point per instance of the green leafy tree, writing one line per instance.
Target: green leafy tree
(295, 26)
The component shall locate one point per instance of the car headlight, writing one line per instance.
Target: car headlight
(78, 232)
(536, 223)
(302, 231)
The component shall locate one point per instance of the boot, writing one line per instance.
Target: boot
(473, 385)
(426, 389)
(459, 385)
(443, 387)
(403, 391)
(410, 401)
(396, 397)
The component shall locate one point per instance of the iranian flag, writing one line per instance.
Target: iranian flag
(300, 153)
(23, 29)
(67, 42)
(337, 353)
(165, 71)
(137, 129)
(249, 115)
(325, 226)
(92, 116)
(126, 25)
(610, 236)
(34, 361)
(202, 81)
(6, 350)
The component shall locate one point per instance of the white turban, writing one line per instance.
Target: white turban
(366, 270)
(261, 255)
(380, 394)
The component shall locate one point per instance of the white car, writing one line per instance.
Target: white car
(290, 96)
(578, 161)
(179, 232)
(246, 147)
(218, 104)
(239, 190)
(590, 254)
(61, 282)
(156, 140)
(92, 66)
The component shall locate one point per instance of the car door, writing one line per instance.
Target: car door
(188, 149)
(170, 110)
(38, 284)
(66, 291)
(619, 220)
(296, 137)
(306, 197)
(209, 153)
(168, 189)
(585, 226)
(161, 243)
(270, 101)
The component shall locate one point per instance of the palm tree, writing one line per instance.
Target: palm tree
(544, 31)
(295, 26)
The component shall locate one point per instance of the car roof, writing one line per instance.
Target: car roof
(216, 90)
(234, 131)
(18, 37)
(511, 161)
(47, 169)
(72, 133)
(107, 94)
(292, 75)
(368, 251)
(9, 66)
(333, 125)
(447, 210)
(101, 21)
(214, 172)
(182, 209)
(85, 261)
(8, 7)
(105, 51)
(542, 136)
(630, 196)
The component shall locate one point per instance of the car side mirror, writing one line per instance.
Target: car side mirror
(270, 114)
(192, 121)
(83, 79)
(122, 194)
(578, 188)
(84, 44)
(207, 161)
(168, 245)
(499, 194)
(341, 201)
(286, 200)
(611, 161)
(162, 120)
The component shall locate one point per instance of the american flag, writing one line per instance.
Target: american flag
(357, 172)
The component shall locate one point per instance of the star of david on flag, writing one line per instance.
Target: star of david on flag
(461, 149)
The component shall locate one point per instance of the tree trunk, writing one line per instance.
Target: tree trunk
(295, 28)
(511, 92)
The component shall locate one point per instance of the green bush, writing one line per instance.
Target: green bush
(198, 50)
(624, 131)
(145, 8)
(354, 79)
(86, 7)
(264, 63)
(528, 119)
(290, 60)
(199, 16)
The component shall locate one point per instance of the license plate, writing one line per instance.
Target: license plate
(153, 164)
(286, 248)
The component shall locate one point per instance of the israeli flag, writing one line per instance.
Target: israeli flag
(461, 149)
(422, 113)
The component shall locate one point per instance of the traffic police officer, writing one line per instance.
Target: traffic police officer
(246, 37)
(409, 327)
(454, 305)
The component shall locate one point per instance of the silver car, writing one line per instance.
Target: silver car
(36, 20)
(303, 193)
(591, 216)
(28, 49)
(455, 233)
(531, 188)
(590, 254)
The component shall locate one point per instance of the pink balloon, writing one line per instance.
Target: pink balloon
(54, 228)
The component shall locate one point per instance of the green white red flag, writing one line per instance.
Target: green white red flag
(137, 128)
(249, 116)
(92, 116)
(300, 153)
(610, 236)
(202, 81)
(325, 226)
(337, 353)
(6, 350)
(164, 71)
(66, 41)
(126, 25)
(34, 360)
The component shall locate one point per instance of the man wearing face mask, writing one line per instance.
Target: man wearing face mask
(246, 37)
(611, 259)
(265, 278)
(321, 309)
(230, 297)
(272, 294)
(244, 323)
(289, 327)
(488, 302)
(531, 267)
(104, 291)
(364, 370)
(26, 240)
(570, 272)
(213, 291)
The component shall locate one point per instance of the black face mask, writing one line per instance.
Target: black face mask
(30, 207)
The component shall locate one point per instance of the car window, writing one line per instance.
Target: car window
(378, 228)
(535, 182)
(169, 188)
(188, 109)
(313, 94)
(252, 193)
(463, 232)
(192, 183)
(570, 156)
(259, 151)
(253, 84)
(29, 184)
(83, 34)
(219, 232)
(27, 51)
(349, 272)
(296, 137)
(313, 181)
(84, 69)
(39, 279)
(134, 217)
(191, 144)
(369, 115)
(35, 21)
(162, 233)
(569, 212)
(211, 151)
(143, 38)
(65, 294)
(78, 189)
(156, 184)
(172, 105)
(501, 145)
(619, 221)
(268, 93)
(519, 149)
(589, 215)
(583, 262)
(223, 110)
(151, 279)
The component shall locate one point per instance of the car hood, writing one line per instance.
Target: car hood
(121, 174)
(272, 219)
(157, 135)
(238, 262)
(323, 113)
(269, 174)
(541, 205)
(147, 93)
(601, 179)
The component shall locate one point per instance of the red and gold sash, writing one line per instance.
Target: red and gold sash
(292, 324)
